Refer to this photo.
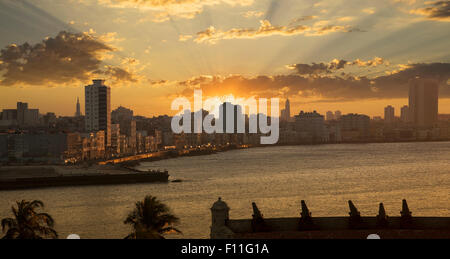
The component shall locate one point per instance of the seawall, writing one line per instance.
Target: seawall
(89, 179)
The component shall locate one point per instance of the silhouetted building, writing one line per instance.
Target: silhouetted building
(71, 123)
(330, 116)
(49, 119)
(311, 127)
(389, 114)
(78, 109)
(22, 116)
(444, 117)
(43, 147)
(355, 127)
(423, 102)
(405, 114)
(121, 114)
(337, 115)
(286, 112)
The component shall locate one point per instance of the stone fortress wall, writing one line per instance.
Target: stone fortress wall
(222, 227)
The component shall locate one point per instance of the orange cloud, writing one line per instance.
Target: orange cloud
(213, 35)
(323, 88)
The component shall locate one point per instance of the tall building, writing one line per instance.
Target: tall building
(286, 112)
(389, 114)
(337, 115)
(22, 109)
(283, 115)
(423, 102)
(78, 109)
(330, 116)
(287, 109)
(98, 108)
(226, 117)
(404, 114)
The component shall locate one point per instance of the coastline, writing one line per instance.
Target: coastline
(30, 177)
(131, 161)
(175, 154)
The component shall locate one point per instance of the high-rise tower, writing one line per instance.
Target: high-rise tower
(78, 109)
(286, 112)
(287, 108)
(423, 102)
(389, 114)
(98, 108)
(405, 114)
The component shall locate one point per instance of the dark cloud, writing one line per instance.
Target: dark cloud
(64, 59)
(302, 19)
(336, 64)
(438, 71)
(118, 74)
(158, 82)
(328, 88)
(439, 10)
(310, 69)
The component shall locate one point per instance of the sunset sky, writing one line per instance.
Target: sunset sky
(353, 55)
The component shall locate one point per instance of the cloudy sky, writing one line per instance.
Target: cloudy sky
(352, 55)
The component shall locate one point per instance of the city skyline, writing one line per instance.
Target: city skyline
(322, 56)
(394, 113)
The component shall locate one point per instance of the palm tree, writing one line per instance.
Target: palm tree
(151, 219)
(27, 223)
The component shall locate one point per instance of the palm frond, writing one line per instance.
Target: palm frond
(45, 218)
(27, 223)
(36, 204)
(8, 223)
(151, 216)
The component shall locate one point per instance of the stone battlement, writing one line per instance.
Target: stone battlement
(306, 226)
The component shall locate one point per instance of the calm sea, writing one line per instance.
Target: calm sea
(276, 178)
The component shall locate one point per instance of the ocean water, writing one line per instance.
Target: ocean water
(276, 178)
